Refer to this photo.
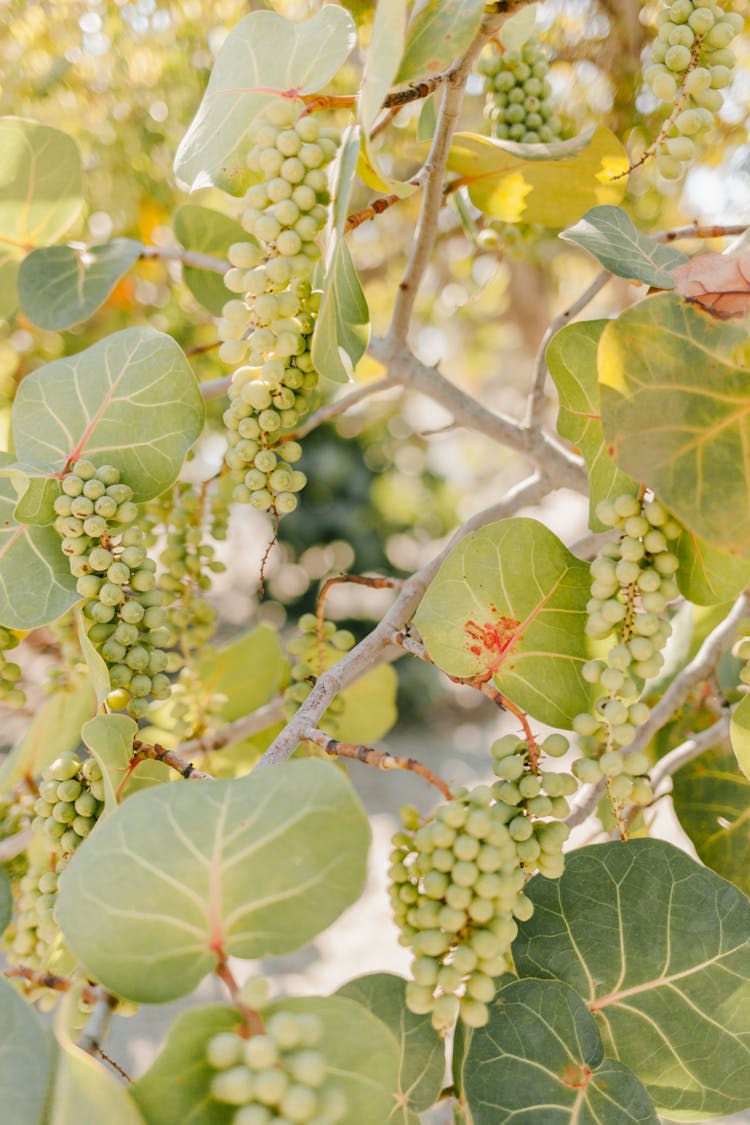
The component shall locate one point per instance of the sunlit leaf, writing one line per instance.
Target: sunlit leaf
(550, 184)
(369, 708)
(706, 576)
(383, 56)
(130, 400)
(342, 328)
(518, 28)
(740, 734)
(438, 34)
(571, 358)
(263, 56)
(59, 286)
(712, 801)
(659, 948)
(610, 236)
(208, 232)
(541, 1058)
(40, 195)
(675, 395)
(510, 602)
(244, 868)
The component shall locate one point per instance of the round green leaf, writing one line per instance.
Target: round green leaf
(40, 183)
(571, 358)
(540, 1059)
(439, 33)
(422, 1049)
(675, 398)
(659, 948)
(185, 873)
(181, 1068)
(130, 400)
(510, 602)
(707, 576)
(36, 586)
(26, 1051)
(59, 286)
(549, 184)
(608, 234)
(264, 55)
(712, 801)
(208, 232)
(109, 739)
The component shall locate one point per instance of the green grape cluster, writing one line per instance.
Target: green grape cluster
(457, 880)
(519, 104)
(691, 65)
(278, 1075)
(189, 563)
(71, 800)
(316, 649)
(16, 810)
(117, 580)
(632, 585)
(268, 328)
(34, 930)
(10, 673)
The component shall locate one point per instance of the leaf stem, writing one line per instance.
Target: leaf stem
(380, 759)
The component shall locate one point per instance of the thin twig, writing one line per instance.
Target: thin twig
(564, 468)
(535, 410)
(374, 648)
(39, 979)
(432, 199)
(156, 753)
(582, 809)
(236, 731)
(340, 406)
(190, 258)
(698, 230)
(115, 1065)
(216, 388)
(13, 845)
(380, 759)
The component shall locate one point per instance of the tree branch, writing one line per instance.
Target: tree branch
(377, 758)
(373, 648)
(340, 406)
(688, 750)
(143, 752)
(236, 731)
(563, 468)
(190, 258)
(432, 199)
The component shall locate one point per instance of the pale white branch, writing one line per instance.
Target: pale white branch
(374, 648)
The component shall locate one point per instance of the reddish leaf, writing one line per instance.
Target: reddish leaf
(719, 283)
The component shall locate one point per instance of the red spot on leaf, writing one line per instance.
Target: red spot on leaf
(578, 1077)
(489, 641)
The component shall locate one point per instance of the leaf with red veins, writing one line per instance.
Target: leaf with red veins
(509, 602)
